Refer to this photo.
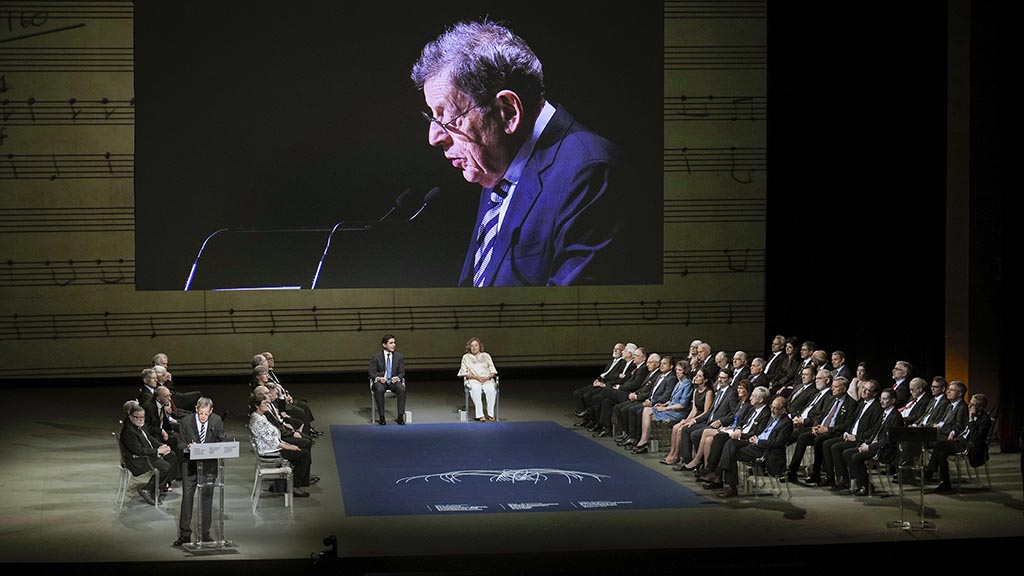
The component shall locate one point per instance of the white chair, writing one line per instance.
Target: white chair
(483, 395)
(270, 468)
(373, 403)
(126, 476)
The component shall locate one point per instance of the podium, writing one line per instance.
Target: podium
(213, 453)
(912, 439)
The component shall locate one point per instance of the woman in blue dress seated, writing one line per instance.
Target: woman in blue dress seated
(671, 411)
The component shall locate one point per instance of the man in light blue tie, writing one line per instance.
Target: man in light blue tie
(770, 443)
(387, 372)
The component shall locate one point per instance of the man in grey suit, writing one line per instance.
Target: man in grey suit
(203, 427)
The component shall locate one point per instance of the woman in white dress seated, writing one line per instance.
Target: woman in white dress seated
(478, 374)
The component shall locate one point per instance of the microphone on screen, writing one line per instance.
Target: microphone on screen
(427, 199)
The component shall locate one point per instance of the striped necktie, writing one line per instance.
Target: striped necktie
(487, 231)
(202, 432)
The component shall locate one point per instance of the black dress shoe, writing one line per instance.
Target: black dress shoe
(147, 496)
(180, 541)
(862, 491)
(712, 485)
(382, 422)
(583, 424)
(314, 479)
(840, 486)
(207, 538)
(400, 420)
(944, 488)
(678, 466)
(601, 433)
(812, 480)
(299, 493)
(728, 492)
(580, 413)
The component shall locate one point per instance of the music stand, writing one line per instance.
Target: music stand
(204, 453)
(906, 438)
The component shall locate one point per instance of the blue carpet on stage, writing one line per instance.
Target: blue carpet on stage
(497, 467)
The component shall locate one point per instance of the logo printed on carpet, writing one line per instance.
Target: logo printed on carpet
(469, 467)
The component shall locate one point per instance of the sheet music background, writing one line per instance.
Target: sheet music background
(68, 226)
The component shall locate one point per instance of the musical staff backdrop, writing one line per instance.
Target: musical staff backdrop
(70, 196)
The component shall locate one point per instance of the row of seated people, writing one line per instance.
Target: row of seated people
(719, 417)
(280, 424)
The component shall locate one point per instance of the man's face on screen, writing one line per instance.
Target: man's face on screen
(472, 141)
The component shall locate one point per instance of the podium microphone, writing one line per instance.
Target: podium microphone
(399, 201)
(434, 192)
(397, 205)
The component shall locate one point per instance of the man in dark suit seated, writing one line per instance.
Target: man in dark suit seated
(148, 386)
(770, 443)
(616, 371)
(603, 408)
(162, 420)
(143, 453)
(549, 210)
(833, 424)
(839, 367)
(972, 437)
(901, 384)
(203, 427)
(865, 421)
(914, 408)
(879, 448)
(757, 417)
(739, 368)
(387, 371)
(621, 399)
(660, 393)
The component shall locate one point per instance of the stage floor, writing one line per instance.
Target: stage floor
(60, 474)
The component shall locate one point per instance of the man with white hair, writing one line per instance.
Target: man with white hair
(164, 378)
(616, 371)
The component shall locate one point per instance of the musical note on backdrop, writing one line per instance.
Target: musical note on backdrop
(683, 262)
(273, 323)
(715, 108)
(236, 321)
(68, 112)
(68, 166)
(39, 273)
(731, 159)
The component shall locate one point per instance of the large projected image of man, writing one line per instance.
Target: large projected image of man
(547, 213)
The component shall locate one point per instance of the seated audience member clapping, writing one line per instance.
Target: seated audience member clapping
(269, 443)
(478, 374)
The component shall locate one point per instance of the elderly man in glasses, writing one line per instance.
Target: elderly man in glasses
(549, 210)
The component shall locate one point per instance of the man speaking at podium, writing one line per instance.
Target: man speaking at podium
(549, 210)
(203, 427)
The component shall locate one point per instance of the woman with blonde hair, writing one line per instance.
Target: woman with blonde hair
(478, 374)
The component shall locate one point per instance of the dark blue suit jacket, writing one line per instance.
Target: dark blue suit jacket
(564, 215)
